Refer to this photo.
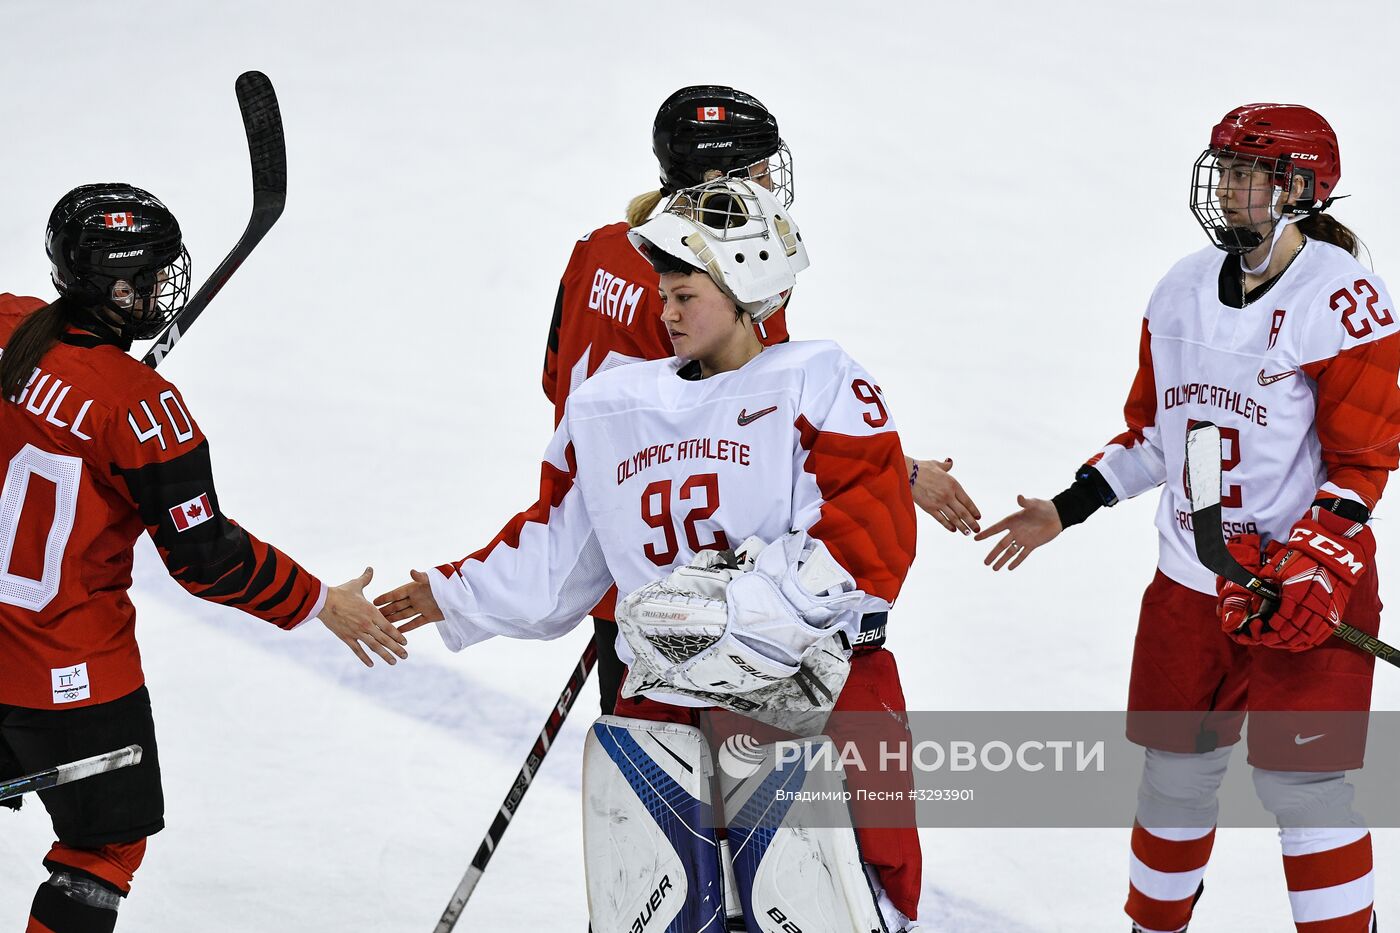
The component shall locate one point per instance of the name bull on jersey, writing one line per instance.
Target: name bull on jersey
(614, 297)
(694, 448)
(1222, 397)
(47, 397)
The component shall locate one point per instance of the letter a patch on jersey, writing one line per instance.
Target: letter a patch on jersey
(188, 514)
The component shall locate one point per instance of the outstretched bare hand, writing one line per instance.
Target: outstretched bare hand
(942, 496)
(413, 602)
(1035, 524)
(351, 618)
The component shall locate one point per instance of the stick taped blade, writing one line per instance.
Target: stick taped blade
(1203, 465)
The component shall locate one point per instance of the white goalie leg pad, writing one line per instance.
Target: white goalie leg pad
(796, 861)
(651, 853)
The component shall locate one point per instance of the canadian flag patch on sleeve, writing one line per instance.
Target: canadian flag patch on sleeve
(195, 512)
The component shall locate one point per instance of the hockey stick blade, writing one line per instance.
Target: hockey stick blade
(546, 738)
(267, 152)
(73, 771)
(1203, 470)
(1203, 473)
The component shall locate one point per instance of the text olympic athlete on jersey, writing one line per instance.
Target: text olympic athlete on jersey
(607, 309)
(752, 505)
(1291, 346)
(97, 450)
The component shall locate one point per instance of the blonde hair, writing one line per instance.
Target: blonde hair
(640, 207)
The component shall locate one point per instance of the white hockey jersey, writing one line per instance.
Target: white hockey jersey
(1302, 382)
(647, 468)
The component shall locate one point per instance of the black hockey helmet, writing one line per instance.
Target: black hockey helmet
(118, 255)
(711, 128)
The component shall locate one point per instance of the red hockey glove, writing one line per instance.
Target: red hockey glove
(1240, 610)
(1325, 556)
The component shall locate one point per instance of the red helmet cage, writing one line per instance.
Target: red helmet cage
(1297, 140)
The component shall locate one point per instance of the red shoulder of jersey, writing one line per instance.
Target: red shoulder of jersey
(13, 309)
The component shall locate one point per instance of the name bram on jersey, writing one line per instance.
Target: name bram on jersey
(1226, 399)
(694, 448)
(614, 297)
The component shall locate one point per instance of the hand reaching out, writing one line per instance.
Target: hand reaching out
(412, 601)
(1035, 524)
(352, 619)
(942, 496)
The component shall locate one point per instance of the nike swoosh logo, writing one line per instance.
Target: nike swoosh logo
(746, 418)
(1299, 740)
(1277, 377)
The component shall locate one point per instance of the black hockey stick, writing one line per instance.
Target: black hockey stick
(1203, 458)
(73, 771)
(517, 790)
(267, 150)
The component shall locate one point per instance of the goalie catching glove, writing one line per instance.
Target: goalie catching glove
(736, 622)
(1325, 557)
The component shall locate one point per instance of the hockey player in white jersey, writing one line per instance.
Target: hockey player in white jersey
(788, 454)
(1292, 347)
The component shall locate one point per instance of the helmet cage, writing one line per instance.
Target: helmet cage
(773, 172)
(1210, 177)
(750, 249)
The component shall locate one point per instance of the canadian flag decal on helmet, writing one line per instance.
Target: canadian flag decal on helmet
(119, 219)
(709, 113)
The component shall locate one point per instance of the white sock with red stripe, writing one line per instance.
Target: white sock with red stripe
(1172, 836)
(1326, 849)
(1330, 883)
(1164, 872)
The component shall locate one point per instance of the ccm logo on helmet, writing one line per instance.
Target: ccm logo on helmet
(1325, 545)
(1303, 156)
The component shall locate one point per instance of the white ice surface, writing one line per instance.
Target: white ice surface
(988, 192)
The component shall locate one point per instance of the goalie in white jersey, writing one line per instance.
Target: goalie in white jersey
(787, 453)
(1292, 347)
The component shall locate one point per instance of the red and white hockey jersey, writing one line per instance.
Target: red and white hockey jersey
(647, 468)
(608, 313)
(1302, 382)
(98, 450)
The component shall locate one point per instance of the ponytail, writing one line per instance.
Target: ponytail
(640, 207)
(1329, 229)
(33, 338)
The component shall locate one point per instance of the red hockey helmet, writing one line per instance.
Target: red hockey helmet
(1288, 141)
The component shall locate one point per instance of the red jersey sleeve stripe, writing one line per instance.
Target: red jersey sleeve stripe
(867, 514)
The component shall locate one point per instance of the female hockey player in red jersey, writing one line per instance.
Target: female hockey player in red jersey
(654, 469)
(1291, 346)
(607, 309)
(98, 448)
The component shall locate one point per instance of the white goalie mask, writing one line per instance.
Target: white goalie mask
(735, 230)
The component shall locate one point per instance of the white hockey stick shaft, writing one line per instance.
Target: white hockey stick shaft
(73, 771)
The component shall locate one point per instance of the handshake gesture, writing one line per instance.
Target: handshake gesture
(368, 628)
